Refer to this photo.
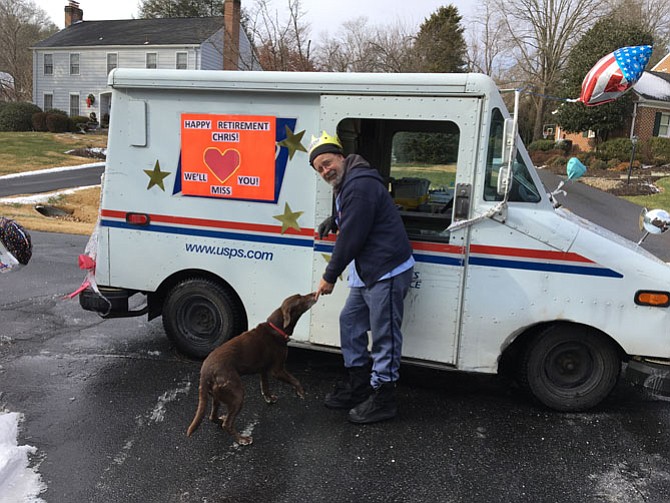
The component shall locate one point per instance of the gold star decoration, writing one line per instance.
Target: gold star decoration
(292, 142)
(156, 176)
(289, 220)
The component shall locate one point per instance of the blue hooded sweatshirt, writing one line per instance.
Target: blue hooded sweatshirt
(370, 228)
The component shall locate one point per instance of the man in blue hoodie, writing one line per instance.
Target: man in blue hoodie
(372, 238)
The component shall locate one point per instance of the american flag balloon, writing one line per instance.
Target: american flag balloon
(614, 74)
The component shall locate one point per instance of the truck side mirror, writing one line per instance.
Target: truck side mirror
(653, 222)
(509, 142)
(508, 156)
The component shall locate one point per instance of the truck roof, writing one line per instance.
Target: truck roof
(307, 82)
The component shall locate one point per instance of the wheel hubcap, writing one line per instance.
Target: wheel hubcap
(569, 365)
(200, 319)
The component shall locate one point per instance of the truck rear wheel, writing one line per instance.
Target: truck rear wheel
(200, 315)
(570, 367)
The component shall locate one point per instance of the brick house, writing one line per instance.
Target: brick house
(72, 65)
(651, 115)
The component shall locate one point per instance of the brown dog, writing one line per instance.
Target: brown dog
(260, 350)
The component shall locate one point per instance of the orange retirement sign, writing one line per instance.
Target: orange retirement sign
(228, 156)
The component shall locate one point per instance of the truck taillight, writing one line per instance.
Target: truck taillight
(652, 298)
(137, 218)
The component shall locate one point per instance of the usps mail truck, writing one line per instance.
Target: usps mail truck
(209, 211)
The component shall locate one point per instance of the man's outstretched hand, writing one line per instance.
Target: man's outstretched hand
(325, 288)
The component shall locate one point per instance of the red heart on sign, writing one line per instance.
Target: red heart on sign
(223, 165)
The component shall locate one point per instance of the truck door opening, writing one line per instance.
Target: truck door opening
(418, 160)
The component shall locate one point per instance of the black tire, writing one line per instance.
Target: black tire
(200, 315)
(570, 367)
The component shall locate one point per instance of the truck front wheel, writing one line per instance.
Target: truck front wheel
(200, 315)
(570, 367)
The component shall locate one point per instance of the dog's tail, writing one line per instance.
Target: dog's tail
(202, 405)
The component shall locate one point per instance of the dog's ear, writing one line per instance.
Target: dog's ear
(286, 314)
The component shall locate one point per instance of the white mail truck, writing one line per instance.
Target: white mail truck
(209, 211)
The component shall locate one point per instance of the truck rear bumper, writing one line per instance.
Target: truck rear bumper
(652, 376)
(110, 302)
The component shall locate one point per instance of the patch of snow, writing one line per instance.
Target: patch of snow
(18, 482)
(158, 413)
(53, 170)
(41, 198)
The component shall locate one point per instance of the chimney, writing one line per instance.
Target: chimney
(73, 14)
(231, 34)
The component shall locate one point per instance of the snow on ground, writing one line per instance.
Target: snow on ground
(99, 151)
(19, 483)
(41, 198)
(44, 197)
(53, 170)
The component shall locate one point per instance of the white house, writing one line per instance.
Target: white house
(71, 66)
(6, 85)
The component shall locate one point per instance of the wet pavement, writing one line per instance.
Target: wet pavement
(107, 404)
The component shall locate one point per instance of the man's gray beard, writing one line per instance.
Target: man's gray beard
(337, 182)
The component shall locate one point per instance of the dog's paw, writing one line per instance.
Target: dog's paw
(300, 392)
(270, 399)
(242, 440)
(217, 420)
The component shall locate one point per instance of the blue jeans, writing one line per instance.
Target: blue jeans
(378, 309)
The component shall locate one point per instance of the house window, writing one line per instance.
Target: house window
(74, 105)
(664, 126)
(74, 64)
(48, 64)
(182, 61)
(152, 60)
(48, 101)
(112, 61)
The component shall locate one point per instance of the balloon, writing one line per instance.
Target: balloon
(614, 74)
(15, 245)
(575, 168)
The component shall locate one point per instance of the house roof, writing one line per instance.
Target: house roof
(663, 65)
(653, 86)
(163, 31)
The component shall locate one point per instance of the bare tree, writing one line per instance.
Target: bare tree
(22, 24)
(280, 43)
(350, 50)
(393, 48)
(542, 32)
(651, 15)
(358, 47)
(180, 8)
(486, 41)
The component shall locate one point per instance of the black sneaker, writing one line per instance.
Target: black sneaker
(380, 406)
(348, 394)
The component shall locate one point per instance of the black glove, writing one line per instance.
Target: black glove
(326, 227)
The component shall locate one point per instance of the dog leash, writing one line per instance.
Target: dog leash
(279, 330)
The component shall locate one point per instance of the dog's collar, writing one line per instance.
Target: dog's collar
(279, 330)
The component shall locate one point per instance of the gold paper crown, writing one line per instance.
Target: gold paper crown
(324, 139)
(325, 143)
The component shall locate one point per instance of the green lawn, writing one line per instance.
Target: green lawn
(660, 200)
(440, 176)
(30, 151)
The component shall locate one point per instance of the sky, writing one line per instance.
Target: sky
(323, 17)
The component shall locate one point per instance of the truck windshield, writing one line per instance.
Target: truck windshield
(523, 188)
